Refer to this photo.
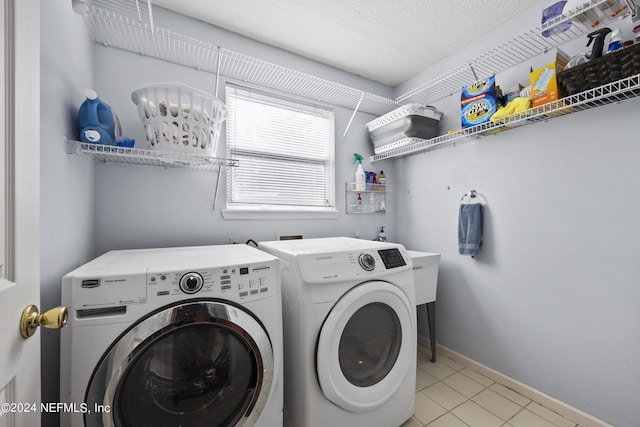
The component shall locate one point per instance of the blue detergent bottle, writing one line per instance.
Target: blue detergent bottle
(97, 122)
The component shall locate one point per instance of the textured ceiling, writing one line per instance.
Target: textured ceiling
(388, 41)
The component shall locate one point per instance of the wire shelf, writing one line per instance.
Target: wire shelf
(137, 156)
(504, 56)
(111, 28)
(116, 23)
(603, 95)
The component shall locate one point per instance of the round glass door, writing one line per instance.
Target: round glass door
(196, 364)
(370, 344)
(365, 346)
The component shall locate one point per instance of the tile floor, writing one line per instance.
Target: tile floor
(450, 395)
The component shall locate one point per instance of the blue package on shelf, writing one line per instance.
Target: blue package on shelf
(479, 101)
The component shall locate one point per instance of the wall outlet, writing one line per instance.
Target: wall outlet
(234, 240)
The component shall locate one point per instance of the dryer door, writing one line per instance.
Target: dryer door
(197, 363)
(365, 346)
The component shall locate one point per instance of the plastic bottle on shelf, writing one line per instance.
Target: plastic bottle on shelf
(359, 203)
(360, 183)
(382, 181)
(381, 235)
(97, 122)
(372, 203)
(615, 43)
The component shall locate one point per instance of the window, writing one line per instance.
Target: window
(285, 150)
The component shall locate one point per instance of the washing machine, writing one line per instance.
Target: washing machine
(173, 337)
(350, 339)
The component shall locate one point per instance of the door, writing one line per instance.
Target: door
(365, 346)
(199, 363)
(19, 210)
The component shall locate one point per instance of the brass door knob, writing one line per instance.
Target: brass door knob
(55, 318)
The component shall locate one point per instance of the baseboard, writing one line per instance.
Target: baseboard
(567, 411)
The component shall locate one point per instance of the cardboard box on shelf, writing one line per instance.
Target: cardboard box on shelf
(479, 101)
(544, 85)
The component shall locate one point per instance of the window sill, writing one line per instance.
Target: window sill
(244, 214)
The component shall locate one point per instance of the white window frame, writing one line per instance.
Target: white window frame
(243, 147)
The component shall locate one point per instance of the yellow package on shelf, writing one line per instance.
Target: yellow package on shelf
(544, 84)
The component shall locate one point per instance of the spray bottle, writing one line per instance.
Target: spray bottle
(597, 37)
(360, 182)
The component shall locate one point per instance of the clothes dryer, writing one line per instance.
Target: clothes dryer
(350, 337)
(173, 337)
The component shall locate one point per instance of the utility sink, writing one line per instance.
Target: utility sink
(425, 278)
(425, 275)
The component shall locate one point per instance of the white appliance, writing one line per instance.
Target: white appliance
(425, 277)
(349, 318)
(168, 337)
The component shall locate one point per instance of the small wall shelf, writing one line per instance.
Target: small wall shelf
(373, 192)
(138, 156)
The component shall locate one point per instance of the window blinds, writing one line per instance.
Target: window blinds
(285, 151)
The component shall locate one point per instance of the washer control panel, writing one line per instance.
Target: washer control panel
(234, 282)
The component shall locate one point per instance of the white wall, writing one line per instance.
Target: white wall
(140, 206)
(67, 181)
(552, 298)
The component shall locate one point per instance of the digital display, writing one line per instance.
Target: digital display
(392, 258)
(244, 270)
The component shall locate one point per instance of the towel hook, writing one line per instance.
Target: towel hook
(472, 194)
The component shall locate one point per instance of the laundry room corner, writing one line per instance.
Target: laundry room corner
(549, 298)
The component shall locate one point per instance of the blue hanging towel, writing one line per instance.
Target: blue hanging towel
(470, 229)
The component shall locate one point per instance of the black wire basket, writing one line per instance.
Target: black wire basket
(609, 68)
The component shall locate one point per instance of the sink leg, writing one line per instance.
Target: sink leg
(431, 317)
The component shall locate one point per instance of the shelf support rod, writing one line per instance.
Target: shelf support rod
(215, 192)
(218, 70)
(150, 17)
(138, 10)
(475, 76)
(353, 115)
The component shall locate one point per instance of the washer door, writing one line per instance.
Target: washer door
(197, 363)
(365, 346)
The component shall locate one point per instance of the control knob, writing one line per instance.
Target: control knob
(367, 262)
(190, 283)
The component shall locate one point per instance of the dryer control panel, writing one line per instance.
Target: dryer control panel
(328, 267)
(234, 282)
(392, 258)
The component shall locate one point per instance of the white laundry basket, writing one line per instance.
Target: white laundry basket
(177, 117)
